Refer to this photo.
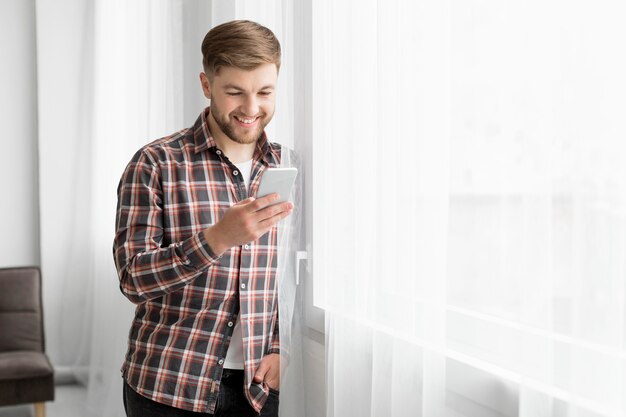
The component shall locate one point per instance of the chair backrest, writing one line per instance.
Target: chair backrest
(21, 317)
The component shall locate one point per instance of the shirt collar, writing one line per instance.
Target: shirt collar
(203, 139)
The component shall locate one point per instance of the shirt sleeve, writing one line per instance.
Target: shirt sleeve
(146, 268)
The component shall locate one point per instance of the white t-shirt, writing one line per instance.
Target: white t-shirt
(234, 355)
(246, 169)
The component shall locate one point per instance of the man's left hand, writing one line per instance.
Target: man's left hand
(269, 371)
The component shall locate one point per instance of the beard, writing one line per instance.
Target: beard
(228, 125)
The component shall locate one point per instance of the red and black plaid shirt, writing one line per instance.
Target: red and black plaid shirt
(187, 298)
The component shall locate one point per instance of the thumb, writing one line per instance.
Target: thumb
(259, 375)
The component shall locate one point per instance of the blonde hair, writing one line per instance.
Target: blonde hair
(241, 44)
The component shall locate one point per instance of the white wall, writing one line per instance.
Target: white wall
(19, 245)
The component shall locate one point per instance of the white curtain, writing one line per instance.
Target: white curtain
(138, 96)
(469, 206)
(113, 76)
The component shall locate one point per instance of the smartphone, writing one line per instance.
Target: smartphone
(277, 180)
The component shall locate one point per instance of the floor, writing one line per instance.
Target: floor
(69, 402)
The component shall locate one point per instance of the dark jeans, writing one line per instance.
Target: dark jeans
(231, 403)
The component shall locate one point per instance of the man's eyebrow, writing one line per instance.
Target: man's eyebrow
(234, 87)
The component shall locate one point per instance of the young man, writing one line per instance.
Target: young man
(197, 255)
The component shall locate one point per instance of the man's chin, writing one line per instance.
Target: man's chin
(246, 139)
(243, 140)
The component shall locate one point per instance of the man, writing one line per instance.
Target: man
(197, 255)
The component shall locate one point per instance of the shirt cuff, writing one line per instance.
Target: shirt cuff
(198, 251)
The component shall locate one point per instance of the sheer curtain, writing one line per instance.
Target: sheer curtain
(114, 75)
(469, 207)
(138, 97)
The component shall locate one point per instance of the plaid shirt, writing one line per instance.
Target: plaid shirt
(188, 298)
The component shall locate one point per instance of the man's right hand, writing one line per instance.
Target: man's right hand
(245, 222)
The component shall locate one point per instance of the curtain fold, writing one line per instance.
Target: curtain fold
(473, 217)
(65, 90)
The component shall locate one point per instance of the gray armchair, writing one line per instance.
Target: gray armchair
(26, 375)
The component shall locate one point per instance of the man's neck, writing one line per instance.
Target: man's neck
(236, 152)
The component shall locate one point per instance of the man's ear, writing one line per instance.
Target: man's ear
(206, 85)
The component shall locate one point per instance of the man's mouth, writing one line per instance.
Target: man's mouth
(246, 121)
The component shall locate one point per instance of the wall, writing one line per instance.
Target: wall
(19, 203)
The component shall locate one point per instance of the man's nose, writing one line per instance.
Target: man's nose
(250, 106)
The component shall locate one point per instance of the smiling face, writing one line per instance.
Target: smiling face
(242, 102)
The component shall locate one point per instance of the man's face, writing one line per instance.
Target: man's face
(242, 102)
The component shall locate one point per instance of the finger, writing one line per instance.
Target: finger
(271, 221)
(273, 210)
(259, 376)
(265, 201)
(272, 377)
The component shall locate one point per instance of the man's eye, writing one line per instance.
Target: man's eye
(233, 94)
(265, 93)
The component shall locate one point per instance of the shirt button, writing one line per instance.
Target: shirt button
(243, 286)
(235, 172)
(246, 246)
(218, 152)
(221, 362)
(230, 324)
